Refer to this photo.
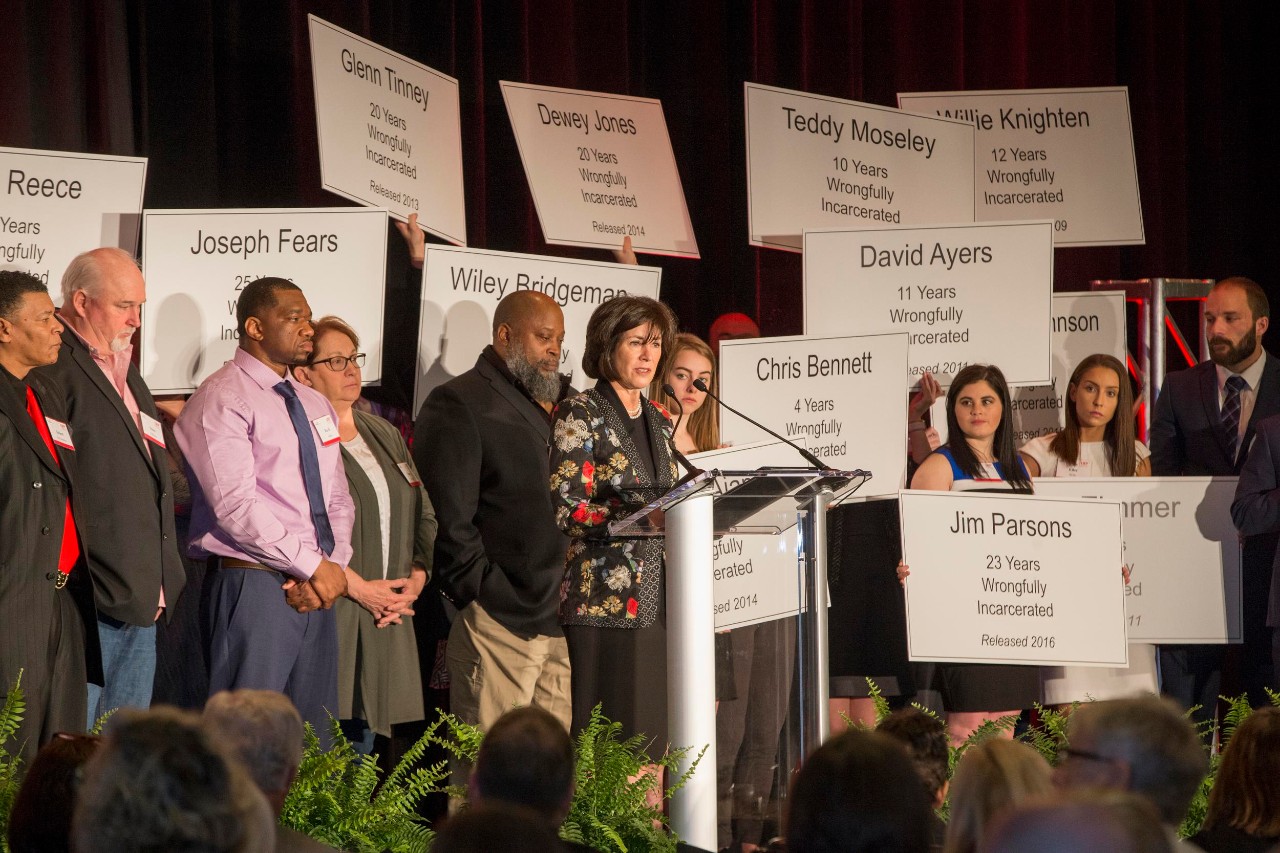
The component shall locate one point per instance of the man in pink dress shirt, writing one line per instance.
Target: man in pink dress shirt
(271, 510)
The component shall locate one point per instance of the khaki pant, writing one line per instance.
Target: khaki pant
(492, 670)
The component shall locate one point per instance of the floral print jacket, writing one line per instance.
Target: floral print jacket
(613, 583)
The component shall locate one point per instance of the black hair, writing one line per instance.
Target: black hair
(1002, 448)
(13, 286)
(258, 297)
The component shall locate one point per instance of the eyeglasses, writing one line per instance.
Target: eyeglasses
(1069, 752)
(339, 362)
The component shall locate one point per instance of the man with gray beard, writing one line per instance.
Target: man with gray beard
(480, 444)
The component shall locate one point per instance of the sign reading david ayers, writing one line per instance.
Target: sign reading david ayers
(1060, 154)
(196, 262)
(817, 162)
(601, 168)
(389, 131)
(58, 204)
(462, 287)
(1009, 579)
(1182, 551)
(756, 577)
(964, 293)
(818, 388)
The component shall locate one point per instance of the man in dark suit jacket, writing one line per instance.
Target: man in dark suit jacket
(1190, 437)
(480, 444)
(47, 626)
(125, 486)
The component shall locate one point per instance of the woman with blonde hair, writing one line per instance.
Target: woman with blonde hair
(992, 776)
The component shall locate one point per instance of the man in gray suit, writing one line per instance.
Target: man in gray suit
(136, 568)
(46, 596)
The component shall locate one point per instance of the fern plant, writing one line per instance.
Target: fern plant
(10, 762)
(339, 799)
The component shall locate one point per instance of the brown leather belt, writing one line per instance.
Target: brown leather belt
(234, 563)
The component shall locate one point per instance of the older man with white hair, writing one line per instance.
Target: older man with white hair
(124, 472)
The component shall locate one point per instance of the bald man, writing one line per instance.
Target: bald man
(123, 472)
(481, 444)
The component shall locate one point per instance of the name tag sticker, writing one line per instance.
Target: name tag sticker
(326, 429)
(410, 476)
(59, 433)
(152, 431)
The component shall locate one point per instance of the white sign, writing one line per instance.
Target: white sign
(1182, 550)
(462, 287)
(196, 262)
(1013, 579)
(820, 388)
(600, 168)
(58, 204)
(965, 294)
(817, 162)
(756, 577)
(1060, 154)
(389, 130)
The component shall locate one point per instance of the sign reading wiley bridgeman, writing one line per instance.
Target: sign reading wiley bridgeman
(197, 262)
(1060, 154)
(819, 162)
(389, 130)
(1013, 579)
(965, 294)
(601, 168)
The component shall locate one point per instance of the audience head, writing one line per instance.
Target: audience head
(158, 783)
(102, 296)
(1083, 821)
(334, 367)
(489, 827)
(978, 409)
(731, 326)
(992, 775)
(273, 320)
(263, 731)
(1246, 792)
(692, 359)
(526, 759)
(925, 738)
(1099, 395)
(528, 332)
(1145, 745)
(1236, 315)
(41, 818)
(857, 793)
(629, 341)
(30, 334)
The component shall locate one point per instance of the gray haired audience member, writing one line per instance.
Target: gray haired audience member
(158, 783)
(263, 731)
(1145, 745)
(1085, 821)
(858, 794)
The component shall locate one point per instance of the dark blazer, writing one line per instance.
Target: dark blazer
(1187, 438)
(1256, 508)
(596, 478)
(33, 497)
(125, 487)
(481, 447)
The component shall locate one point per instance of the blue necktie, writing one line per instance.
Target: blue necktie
(1231, 412)
(310, 466)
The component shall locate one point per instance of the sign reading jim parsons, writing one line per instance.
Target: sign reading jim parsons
(820, 388)
(1013, 579)
(965, 294)
(196, 262)
(462, 287)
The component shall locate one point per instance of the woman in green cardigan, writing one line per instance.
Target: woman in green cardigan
(379, 681)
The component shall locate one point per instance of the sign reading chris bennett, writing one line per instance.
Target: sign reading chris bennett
(1013, 579)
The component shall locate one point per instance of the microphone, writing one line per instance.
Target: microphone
(680, 457)
(809, 457)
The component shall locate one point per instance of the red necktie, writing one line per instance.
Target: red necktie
(70, 552)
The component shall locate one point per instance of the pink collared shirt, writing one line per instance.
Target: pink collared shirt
(115, 366)
(243, 453)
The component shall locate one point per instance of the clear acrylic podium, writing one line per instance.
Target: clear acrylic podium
(766, 502)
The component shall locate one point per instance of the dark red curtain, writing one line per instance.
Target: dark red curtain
(218, 96)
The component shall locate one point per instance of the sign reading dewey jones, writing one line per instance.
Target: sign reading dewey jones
(1013, 579)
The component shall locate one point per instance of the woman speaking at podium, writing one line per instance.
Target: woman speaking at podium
(610, 455)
